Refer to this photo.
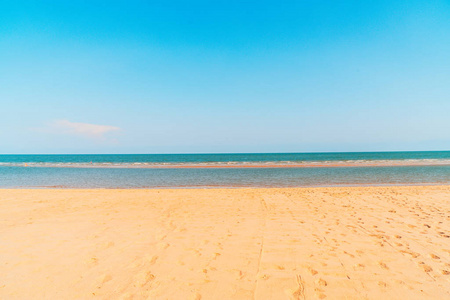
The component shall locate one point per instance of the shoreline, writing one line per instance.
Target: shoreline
(231, 187)
(248, 243)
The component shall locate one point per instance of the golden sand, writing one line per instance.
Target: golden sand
(293, 243)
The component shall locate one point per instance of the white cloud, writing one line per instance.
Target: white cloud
(92, 131)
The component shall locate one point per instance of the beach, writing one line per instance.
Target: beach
(390, 242)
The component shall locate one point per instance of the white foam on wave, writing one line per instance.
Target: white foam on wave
(234, 164)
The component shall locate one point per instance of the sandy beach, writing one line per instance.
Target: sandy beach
(290, 243)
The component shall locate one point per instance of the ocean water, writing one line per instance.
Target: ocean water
(224, 170)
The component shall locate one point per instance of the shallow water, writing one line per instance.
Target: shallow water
(239, 177)
(224, 170)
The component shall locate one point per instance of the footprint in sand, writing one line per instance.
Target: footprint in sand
(313, 272)
(299, 292)
(426, 268)
(105, 278)
(143, 278)
(92, 262)
(433, 256)
(160, 236)
(152, 259)
(349, 254)
(413, 254)
(321, 282)
(383, 265)
(239, 274)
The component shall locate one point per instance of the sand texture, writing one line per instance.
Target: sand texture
(293, 243)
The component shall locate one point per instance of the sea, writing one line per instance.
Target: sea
(225, 170)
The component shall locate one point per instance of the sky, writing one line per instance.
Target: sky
(224, 76)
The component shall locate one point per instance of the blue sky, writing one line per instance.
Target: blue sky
(224, 76)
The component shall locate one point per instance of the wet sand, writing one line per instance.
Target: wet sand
(290, 243)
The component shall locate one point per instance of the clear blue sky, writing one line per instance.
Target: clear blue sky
(224, 76)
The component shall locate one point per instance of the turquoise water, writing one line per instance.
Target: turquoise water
(149, 160)
(224, 170)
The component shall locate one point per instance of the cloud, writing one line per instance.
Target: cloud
(92, 131)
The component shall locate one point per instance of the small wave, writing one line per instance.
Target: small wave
(233, 164)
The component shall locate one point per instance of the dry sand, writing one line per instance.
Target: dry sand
(335, 243)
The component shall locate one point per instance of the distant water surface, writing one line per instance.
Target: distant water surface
(224, 170)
